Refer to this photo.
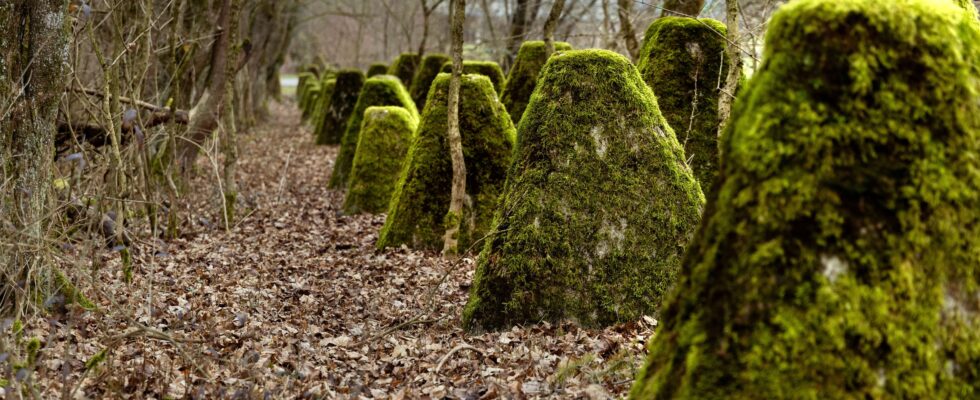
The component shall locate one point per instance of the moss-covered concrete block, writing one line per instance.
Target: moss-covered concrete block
(301, 87)
(523, 76)
(840, 256)
(381, 90)
(682, 60)
(343, 98)
(599, 204)
(421, 199)
(424, 76)
(488, 69)
(404, 67)
(377, 69)
(386, 134)
(323, 103)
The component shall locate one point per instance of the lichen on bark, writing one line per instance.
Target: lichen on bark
(840, 255)
(599, 204)
(418, 206)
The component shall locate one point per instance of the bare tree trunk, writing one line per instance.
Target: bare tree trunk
(727, 97)
(33, 46)
(683, 8)
(230, 142)
(455, 215)
(426, 15)
(205, 116)
(518, 28)
(549, 26)
(626, 28)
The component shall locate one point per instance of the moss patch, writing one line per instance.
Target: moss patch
(840, 254)
(424, 76)
(488, 69)
(337, 111)
(404, 67)
(421, 199)
(599, 204)
(386, 134)
(377, 69)
(382, 90)
(523, 76)
(681, 60)
(323, 103)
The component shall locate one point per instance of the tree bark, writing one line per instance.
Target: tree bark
(727, 97)
(205, 117)
(549, 26)
(682, 8)
(626, 28)
(455, 215)
(518, 28)
(33, 49)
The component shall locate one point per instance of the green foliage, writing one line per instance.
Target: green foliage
(418, 209)
(386, 134)
(377, 69)
(488, 69)
(523, 76)
(404, 67)
(343, 98)
(682, 60)
(423, 78)
(382, 90)
(839, 257)
(599, 204)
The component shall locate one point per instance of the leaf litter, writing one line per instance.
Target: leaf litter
(295, 302)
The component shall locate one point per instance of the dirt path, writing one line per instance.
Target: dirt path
(296, 302)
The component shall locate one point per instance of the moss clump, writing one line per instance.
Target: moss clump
(840, 254)
(404, 67)
(599, 204)
(377, 69)
(423, 78)
(385, 137)
(682, 59)
(301, 87)
(337, 111)
(523, 76)
(311, 95)
(488, 69)
(421, 199)
(382, 90)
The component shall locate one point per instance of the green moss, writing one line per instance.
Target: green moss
(599, 204)
(488, 69)
(523, 76)
(682, 60)
(382, 90)
(377, 69)
(839, 257)
(343, 98)
(424, 76)
(301, 87)
(311, 94)
(421, 199)
(323, 104)
(71, 293)
(386, 134)
(404, 67)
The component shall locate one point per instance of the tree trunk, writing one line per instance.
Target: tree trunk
(33, 45)
(727, 96)
(230, 142)
(626, 28)
(549, 26)
(683, 8)
(455, 215)
(205, 116)
(518, 28)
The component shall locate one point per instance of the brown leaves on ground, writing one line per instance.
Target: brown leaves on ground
(296, 302)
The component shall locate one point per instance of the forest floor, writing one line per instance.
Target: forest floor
(295, 302)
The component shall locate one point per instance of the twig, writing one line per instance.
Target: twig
(463, 346)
